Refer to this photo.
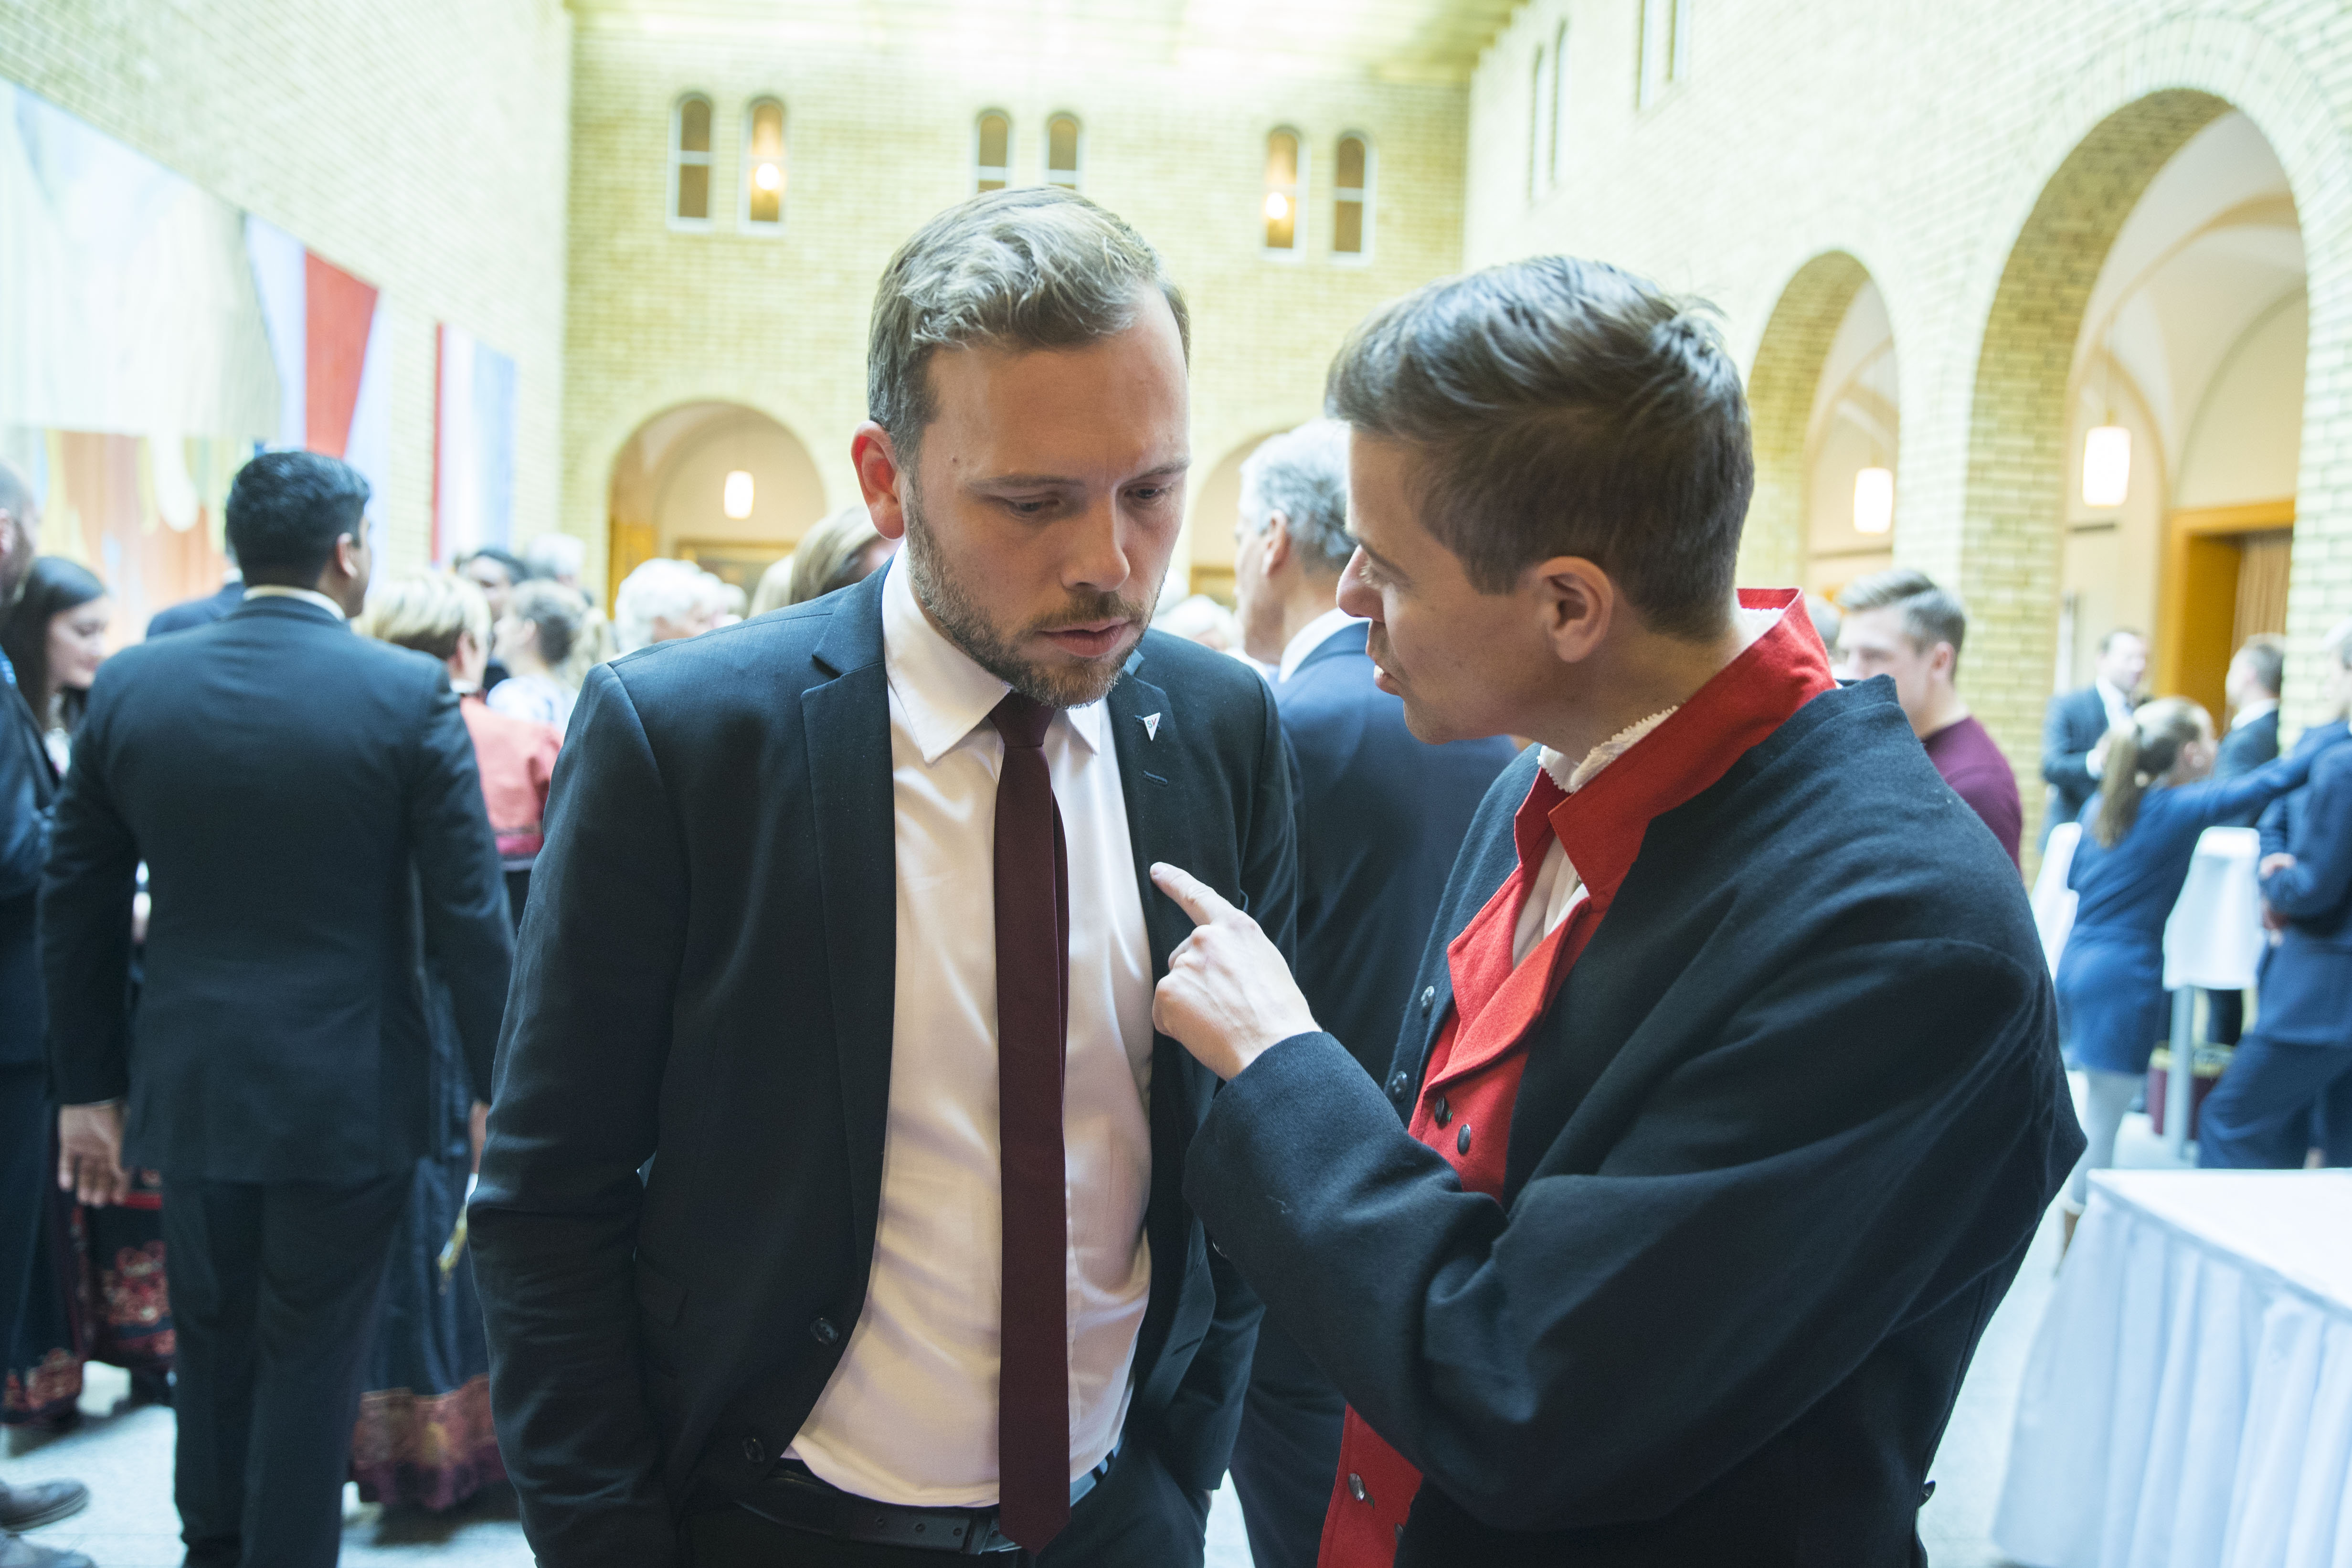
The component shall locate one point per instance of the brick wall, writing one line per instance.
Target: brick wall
(1976, 160)
(420, 146)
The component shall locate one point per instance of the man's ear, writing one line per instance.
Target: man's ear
(1578, 605)
(879, 479)
(1277, 540)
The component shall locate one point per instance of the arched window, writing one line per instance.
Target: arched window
(1553, 131)
(991, 155)
(1665, 44)
(1535, 124)
(1351, 199)
(689, 163)
(1063, 140)
(1283, 161)
(763, 165)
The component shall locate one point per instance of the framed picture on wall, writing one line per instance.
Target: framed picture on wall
(739, 562)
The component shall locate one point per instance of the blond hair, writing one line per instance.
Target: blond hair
(427, 611)
(825, 560)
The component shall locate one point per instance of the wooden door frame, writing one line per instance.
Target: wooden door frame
(2190, 538)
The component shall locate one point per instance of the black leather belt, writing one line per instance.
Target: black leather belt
(793, 1496)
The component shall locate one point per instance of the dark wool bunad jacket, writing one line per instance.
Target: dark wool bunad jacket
(1781, 1140)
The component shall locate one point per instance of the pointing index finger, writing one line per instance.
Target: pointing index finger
(1193, 896)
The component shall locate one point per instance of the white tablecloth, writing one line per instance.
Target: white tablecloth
(2188, 1403)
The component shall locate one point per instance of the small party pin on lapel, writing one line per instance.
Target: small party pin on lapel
(1150, 726)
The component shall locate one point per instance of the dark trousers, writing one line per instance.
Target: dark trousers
(1287, 1452)
(273, 1292)
(2273, 1103)
(1139, 1517)
(25, 1178)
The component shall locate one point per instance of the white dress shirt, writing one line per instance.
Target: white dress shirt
(307, 596)
(910, 1417)
(1312, 636)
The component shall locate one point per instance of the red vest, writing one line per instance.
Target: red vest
(1472, 1083)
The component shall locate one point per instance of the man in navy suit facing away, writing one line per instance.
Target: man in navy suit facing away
(1381, 818)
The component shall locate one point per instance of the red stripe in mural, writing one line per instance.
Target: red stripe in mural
(340, 309)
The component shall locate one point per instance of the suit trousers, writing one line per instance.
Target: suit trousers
(2273, 1103)
(274, 1294)
(1138, 1517)
(25, 1178)
(1287, 1452)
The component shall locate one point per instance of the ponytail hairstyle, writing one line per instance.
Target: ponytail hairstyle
(2139, 754)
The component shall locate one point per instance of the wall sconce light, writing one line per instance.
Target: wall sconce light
(2107, 466)
(1873, 500)
(1277, 207)
(737, 497)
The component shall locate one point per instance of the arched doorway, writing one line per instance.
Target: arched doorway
(676, 491)
(1216, 502)
(1811, 345)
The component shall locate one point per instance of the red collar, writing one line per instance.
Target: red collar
(1602, 825)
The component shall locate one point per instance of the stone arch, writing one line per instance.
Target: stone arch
(1781, 386)
(665, 491)
(1209, 531)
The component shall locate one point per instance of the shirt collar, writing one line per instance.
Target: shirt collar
(1312, 636)
(943, 693)
(1602, 810)
(307, 596)
(2253, 710)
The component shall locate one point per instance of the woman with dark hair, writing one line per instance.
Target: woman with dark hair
(56, 637)
(2140, 832)
(97, 1292)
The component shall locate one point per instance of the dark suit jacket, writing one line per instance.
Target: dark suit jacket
(307, 807)
(2307, 978)
(28, 787)
(2069, 728)
(189, 614)
(706, 971)
(1381, 818)
(2247, 747)
(1781, 1144)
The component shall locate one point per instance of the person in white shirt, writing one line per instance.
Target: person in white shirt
(842, 924)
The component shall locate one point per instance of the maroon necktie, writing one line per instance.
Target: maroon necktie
(1032, 1011)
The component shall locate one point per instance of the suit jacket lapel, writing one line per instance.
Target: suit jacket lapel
(848, 723)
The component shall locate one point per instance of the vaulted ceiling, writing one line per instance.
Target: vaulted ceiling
(1405, 39)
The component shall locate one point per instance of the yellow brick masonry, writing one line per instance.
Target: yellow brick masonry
(421, 146)
(1976, 160)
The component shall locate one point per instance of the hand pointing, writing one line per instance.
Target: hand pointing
(1228, 995)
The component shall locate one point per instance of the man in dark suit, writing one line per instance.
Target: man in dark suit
(189, 614)
(1657, 1244)
(2289, 1084)
(307, 807)
(2252, 684)
(866, 875)
(2077, 723)
(27, 793)
(1381, 818)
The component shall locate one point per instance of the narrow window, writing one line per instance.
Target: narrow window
(1281, 209)
(1062, 147)
(1558, 102)
(1351, 199)
(992, 157)
(763, 165)
(689, 163)
(1535, 126)
(1666, 46)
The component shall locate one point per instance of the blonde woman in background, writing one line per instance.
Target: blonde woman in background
(2156, 796)
(842, 550)
(534, 639)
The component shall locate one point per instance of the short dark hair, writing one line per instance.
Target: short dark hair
(1038, 268)
(1565, 407)
(1930, 613)
(284, 511)
(2265, 655)
(517, 569)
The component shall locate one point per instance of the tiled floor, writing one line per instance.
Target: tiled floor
(126, 1459)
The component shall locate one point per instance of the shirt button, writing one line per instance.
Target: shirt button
(1428, 998)
(753, 1453)
(1462, 1139)
(1356, 1488)
(824, 1332)
(1441, 1112)
(1397, 1081)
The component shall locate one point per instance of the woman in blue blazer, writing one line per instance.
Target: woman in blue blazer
(2138, 834)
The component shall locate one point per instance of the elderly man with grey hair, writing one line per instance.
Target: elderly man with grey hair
(1381, 818)
(841, 923)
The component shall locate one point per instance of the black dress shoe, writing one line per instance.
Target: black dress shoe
(29, 1508)
(17, 1553)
